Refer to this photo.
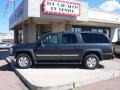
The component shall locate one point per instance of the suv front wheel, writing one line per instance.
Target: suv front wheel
(23, 61)
(91, 61)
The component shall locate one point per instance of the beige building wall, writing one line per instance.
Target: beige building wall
(58, 27)
(24, 29)
(32, 31)
(68, 27)
(47, 28)
(29, 33)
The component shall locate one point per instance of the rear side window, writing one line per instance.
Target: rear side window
(69, 39)
(94, 38)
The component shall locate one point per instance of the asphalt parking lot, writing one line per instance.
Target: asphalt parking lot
(8, 79)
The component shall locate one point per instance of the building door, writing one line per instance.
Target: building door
(48, 48)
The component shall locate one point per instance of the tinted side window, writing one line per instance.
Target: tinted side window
(94, 38)
(50, 39)
(69, 39)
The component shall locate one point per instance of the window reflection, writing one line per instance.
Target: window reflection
(91, 29)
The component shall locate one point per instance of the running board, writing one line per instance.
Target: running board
(57, 62)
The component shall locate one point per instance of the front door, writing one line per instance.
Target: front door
(49, 48)
(69, 48)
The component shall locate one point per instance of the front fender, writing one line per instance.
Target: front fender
(30, 51)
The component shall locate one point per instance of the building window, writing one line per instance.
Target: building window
(104, 30)
(76, 29)
(119, 34)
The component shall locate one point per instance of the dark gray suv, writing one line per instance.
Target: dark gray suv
(64, 47)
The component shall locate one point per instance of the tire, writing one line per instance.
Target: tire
(91, 61)
(24, 61)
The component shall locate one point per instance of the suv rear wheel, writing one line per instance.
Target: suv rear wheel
(91, 61)
(23, 61)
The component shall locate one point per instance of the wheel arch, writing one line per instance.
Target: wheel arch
(93, 52)
(24, 52)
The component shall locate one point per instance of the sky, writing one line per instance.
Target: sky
(4, 17)
(105, 5)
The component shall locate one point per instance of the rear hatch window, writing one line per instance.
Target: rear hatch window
(94, 38)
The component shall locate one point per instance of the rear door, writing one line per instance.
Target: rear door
(69, 49)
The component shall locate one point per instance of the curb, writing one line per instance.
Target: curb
(11, 62)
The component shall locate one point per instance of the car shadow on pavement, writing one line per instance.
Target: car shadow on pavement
(62, 66)
(117, 56)
(6, 67)
(53, 66)
(100, 66)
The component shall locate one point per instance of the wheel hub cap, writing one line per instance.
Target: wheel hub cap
(91, 62)
(23, 61)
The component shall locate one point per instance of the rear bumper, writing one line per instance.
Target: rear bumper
(108, 56)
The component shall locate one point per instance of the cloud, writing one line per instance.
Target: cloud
(110, 5)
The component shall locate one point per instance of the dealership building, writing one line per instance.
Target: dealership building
(33, 18)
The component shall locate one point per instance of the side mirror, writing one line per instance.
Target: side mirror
(42, 44)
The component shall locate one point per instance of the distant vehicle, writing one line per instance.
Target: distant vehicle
(3, 45)
(9, 45)
(116, 46)
(65, 48)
